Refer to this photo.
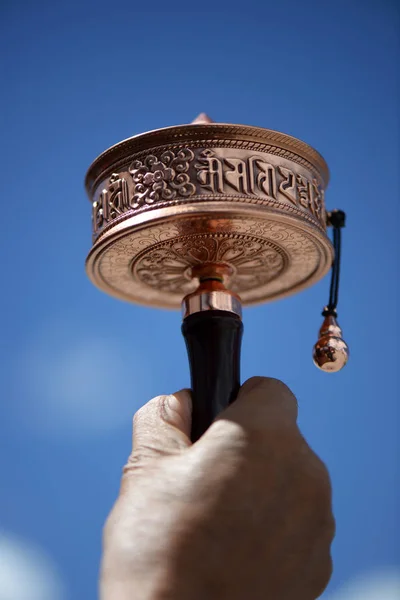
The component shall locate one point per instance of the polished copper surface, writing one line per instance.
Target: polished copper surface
(168, 202)
(211, 295)
(331, 352)
(212, 271)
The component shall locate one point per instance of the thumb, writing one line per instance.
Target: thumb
(266, 401)
(162, 426)
(263, 406)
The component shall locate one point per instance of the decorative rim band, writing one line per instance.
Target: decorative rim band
(209, 134)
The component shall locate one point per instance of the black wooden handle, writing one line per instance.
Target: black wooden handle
(213, 340)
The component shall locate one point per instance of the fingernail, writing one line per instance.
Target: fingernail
(254, 382)
(179, 400)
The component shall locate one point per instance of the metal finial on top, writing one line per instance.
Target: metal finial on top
(202, 118)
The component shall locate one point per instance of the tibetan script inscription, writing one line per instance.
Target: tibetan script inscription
(256, 176)
(112, 202)
(180, 175)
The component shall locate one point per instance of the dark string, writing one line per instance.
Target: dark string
(337, 219)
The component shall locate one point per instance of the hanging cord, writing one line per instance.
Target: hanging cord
(337, 219)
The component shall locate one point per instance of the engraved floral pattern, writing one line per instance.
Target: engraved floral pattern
(162, 178)
(122, 269)
(167, 266)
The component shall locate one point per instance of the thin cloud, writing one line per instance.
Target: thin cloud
(27, 573)
(383, 585)
(77, 381)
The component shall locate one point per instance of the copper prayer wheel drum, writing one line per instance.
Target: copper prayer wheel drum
(247, 198)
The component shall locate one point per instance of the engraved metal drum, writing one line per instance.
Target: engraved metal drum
(169, 200)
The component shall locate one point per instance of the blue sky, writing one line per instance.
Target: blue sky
(76, 364)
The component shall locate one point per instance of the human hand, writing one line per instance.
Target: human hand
(242, 514)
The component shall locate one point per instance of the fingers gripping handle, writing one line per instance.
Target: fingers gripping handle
(213, 340)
